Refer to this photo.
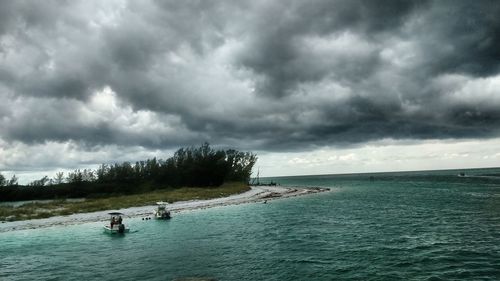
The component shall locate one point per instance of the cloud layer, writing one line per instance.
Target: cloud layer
(266, 75)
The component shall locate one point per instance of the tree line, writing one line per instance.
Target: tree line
(189, 167)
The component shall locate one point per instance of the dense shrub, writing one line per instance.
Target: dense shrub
(193, 166)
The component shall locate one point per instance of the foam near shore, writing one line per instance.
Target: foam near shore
(255, 194)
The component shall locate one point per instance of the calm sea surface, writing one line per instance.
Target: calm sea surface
(391, 226)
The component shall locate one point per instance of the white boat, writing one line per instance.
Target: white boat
(161, 212)
(116, 225)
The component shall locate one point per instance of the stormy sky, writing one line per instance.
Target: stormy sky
(310, 86)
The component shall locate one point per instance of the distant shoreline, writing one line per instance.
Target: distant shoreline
(382, 172)
(255, 194)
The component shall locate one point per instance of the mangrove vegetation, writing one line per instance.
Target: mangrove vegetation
(202, 167)
(61, 207)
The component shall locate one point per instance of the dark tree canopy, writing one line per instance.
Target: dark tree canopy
(192, 167)
(3, 181)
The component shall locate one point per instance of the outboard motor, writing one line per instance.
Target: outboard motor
(121, 228)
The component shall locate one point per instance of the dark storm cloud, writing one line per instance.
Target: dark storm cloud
(469, 33)
(274, 75)
(274, 53)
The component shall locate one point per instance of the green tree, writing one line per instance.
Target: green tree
(12, 181)
(41, 182)
(75, 177)
(3, 181)
(59, 178)
(201, 166)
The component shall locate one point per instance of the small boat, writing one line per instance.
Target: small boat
(115, 225)
(161, 212)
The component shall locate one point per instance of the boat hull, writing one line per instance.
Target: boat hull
(162, 217)
(115, 230)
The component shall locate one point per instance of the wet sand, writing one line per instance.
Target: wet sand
(256, 194)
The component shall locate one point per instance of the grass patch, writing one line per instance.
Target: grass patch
(63, 207)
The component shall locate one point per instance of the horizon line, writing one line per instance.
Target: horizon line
(382, 172)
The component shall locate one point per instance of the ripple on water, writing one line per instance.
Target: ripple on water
(388, 229)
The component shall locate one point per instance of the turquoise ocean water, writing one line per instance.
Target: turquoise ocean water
(391, 226)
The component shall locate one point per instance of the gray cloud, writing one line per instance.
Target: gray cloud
(275, 49)
(269, 75)
(468, 34)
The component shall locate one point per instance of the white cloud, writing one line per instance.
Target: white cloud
(30, 162)
(472, 91)
(384, 156)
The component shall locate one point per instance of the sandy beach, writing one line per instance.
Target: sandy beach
(256, 194)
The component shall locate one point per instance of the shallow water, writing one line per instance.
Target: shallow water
(393, 226)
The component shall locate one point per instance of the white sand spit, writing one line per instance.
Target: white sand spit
(256, 194)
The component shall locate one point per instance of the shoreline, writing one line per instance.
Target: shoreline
(254, 195)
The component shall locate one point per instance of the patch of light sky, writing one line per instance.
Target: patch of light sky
(383, 156)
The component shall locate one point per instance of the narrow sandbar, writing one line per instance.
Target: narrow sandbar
(255, 194)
